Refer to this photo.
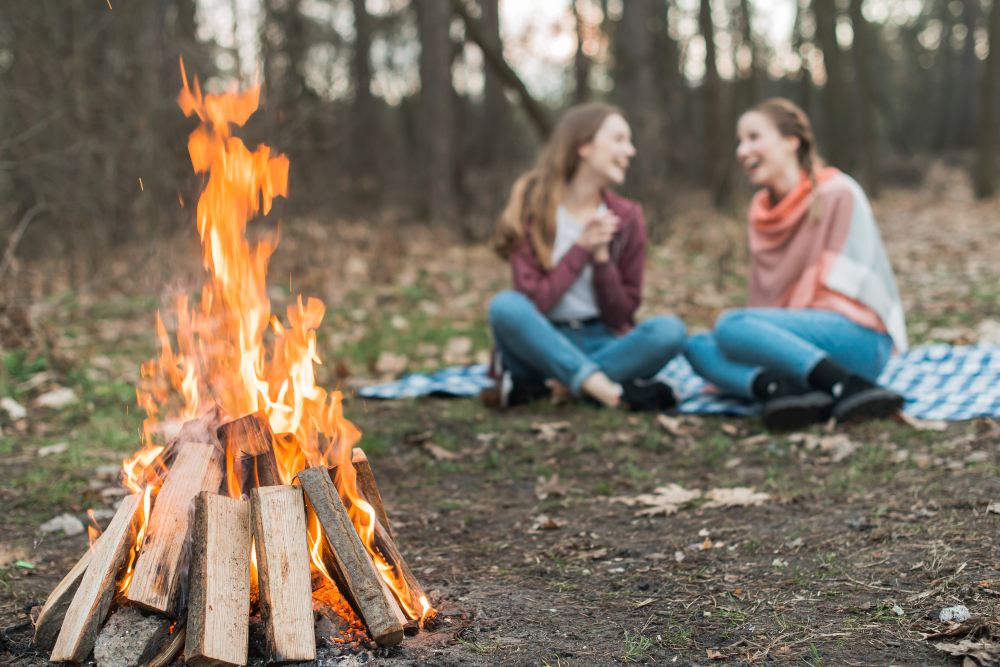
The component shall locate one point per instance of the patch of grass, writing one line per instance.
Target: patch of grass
(480, 647)
(676, 636)
(635, 646)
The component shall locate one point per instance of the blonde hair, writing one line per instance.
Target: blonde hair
(792, 121)
(537, 194)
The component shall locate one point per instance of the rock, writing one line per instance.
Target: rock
(958, 614)
(57, 398)
(897, 610)
(67, 523)
(130, 639)
(13, 409)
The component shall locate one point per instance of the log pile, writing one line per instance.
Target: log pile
(203, 562)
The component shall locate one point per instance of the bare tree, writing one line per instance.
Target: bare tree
(436, 118)
(717, 164)
(838, 140)
(864, 59)
(364, 112)
(581, 63)
(634, 88)
(989, 115)
(496, 108)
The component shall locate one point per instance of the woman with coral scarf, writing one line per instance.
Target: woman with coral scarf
(824, 312)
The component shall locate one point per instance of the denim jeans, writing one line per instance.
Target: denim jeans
(786, 341)
(534, 347)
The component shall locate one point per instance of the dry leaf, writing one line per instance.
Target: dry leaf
(739, 496)
(921, 424)
(552, 487)
(390, 363)
(714, 655)
(673, 425)
(457, 351)
(439, 453)
(664, 499)
(548, 431)
(545, 522)
(983, 650)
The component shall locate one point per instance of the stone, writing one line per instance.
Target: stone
(13, 409)
(130, 639)
(67, 523)
(957, 614)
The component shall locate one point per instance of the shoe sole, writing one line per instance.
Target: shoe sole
(875, 403)
(791, 413)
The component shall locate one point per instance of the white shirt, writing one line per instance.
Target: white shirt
(580, 301)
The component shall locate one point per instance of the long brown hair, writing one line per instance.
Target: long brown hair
(792, 121)
(537, 194)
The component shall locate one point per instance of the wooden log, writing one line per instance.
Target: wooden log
(219, 598)
(251, 441)
(383, 539)
(160, 571)
(284, 584)
(93, 596)
(354, 570)
(368, 487)
(51, 619)
(173, 647)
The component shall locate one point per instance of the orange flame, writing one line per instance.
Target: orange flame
(94, 531)
(134, 551)
(223, 354)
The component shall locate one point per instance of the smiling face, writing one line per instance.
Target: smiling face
(765, 155)
(608, 154)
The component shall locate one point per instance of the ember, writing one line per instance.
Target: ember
(244, 385)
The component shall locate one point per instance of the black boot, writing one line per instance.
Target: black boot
(789, 406)
(647, 396)
(855, 398)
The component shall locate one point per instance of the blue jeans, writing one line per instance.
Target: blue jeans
(788, 342)
(534, 347)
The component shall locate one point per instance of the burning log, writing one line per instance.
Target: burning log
(250, 441)
(368, 487)
(284, 582)
(51, 618)
(93, 596)
(159, 577)
(354, 570)
(219, 601)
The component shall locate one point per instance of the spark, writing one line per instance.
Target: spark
(109, 5)
(140, 180)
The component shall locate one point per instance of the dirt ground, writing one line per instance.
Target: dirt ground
(523, 526)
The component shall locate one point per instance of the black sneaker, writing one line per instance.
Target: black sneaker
(871, 403)
(796, 411)
(647, 396)
(518, 391)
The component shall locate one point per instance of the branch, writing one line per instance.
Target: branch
(15, 238)
(493, 53)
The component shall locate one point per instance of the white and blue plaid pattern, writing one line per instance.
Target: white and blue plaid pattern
(938, 381)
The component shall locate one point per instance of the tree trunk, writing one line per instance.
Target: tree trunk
(364, 114)
(634, 85)
(988, 113)
(749, 84)
(716, 164)
(864, 57)
(437, 112)
(496, 108)
(581, 63)
(838, 140)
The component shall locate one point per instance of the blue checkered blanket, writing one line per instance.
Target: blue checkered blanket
(938, 381)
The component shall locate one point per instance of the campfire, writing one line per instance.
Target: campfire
(260, 506)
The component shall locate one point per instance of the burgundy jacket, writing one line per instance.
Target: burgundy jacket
(617, 283)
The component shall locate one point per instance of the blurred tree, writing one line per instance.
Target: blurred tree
(989, 114)
(717, 164)
(581, 63)
(838, 140)
(436, 118)
(496, 108)
(634, 91)
(863, 51)
(364, 112)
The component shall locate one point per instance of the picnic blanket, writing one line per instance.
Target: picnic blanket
(938, 381)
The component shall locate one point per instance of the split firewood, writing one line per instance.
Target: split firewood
(383, 538)
(172, 648)
(50, 620)
(250, 441)
(353, 569)
(93, 596)
(201, 429)
(279, 529)
(368, 487)
(219, 599)
(161, 569)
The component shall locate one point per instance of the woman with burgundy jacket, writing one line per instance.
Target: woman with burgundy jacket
(577, 253)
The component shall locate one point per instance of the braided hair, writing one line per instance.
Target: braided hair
(792, 121)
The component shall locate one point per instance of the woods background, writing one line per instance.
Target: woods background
(408, 110)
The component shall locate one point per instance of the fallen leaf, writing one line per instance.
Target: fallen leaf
(552, 487)
(439, 453)
(13, 409)
(730, 429)
(714, 655)
(673, 425)
(739, 496)
(548, 431)
(920, 424)
(57, 398)
(58, 448)
(545, 522)
(664, 499)
(983, 650)
(457, 350)
(390, 363)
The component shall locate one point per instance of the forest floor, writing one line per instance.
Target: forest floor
(522, 525)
